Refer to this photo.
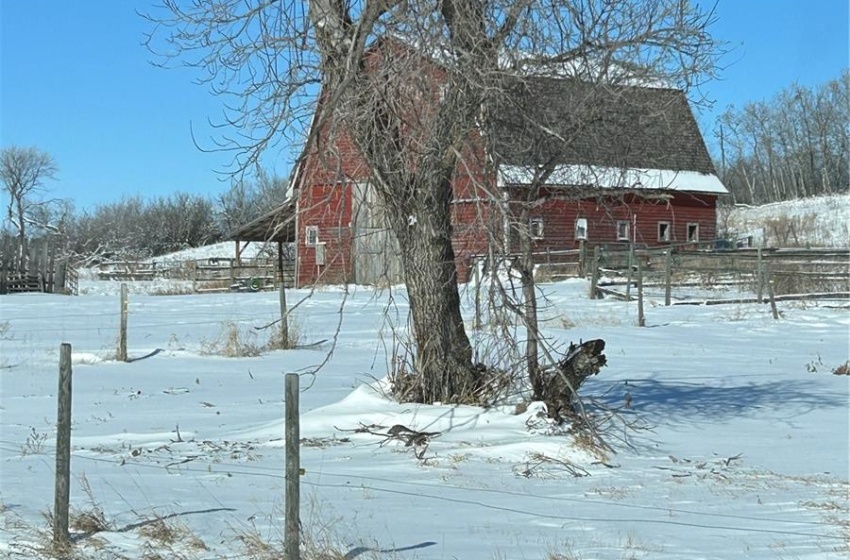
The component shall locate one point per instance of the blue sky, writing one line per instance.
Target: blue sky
(76, 82)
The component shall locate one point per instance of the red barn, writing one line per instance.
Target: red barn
(606, 165)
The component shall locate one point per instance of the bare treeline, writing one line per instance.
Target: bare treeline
(792, 146)
(136, 227)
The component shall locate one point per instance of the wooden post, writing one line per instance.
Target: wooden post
(641, 318)
(629, 274)
(122, 331)
(582, 259)
(759, 276)
(50, 267)
(770, 294)
(292, 438)
(668, 275)
(476, 274)
(594, 278)
(62, 493)
(59, 281)
(280, 261)
(284, 317)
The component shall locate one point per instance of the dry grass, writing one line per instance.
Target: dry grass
(88, 521)
(294, 336)
(235, 342)
(163, 530)
(34, 445)
(256, 547)
(167, 537)
(232, 342)
(843, 369)
(91, 520)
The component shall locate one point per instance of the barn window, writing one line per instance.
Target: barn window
(693, 233)
(581, 228)
(623, 230)
(663, 231)
(535, 228)
(311, 238)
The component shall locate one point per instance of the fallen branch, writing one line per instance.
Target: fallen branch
(411, 438)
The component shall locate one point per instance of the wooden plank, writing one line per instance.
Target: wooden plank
(784, 297)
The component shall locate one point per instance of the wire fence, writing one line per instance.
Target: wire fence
(415, 491)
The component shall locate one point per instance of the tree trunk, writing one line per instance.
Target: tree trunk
(444, 354)
(561, 388)
(22, 233)
(529, 307)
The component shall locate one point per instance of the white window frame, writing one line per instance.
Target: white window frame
(624, 228)
(695, 237)
(311, 236)
(666, 236)
(581, 226)
(535, 228)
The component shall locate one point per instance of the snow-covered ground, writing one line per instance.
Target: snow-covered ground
(222, 250)
(821, 221)
(743, 451)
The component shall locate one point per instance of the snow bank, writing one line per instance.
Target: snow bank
(822, 221)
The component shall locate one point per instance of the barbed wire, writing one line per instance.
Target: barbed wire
(268, 472)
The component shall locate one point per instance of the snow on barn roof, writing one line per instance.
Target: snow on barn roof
(613, 135)
(616, 178)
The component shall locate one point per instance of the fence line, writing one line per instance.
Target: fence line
(275, 473)
(206, 275)
(124, 305)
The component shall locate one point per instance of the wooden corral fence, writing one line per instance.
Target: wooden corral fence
(41, 269)
(206, 275)
(791, 273)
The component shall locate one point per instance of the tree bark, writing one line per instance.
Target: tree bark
(561, 388)
(22, 233)
(443, 359)
(529, 305)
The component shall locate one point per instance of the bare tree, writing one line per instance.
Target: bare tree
(247, 199)
(178, 221)
(792, 146)
(134, 228)
(411, 86)
(23, 171)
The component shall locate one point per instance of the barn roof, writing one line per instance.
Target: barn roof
(276, 225)
(566, 122)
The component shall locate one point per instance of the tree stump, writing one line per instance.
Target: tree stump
(560, 391)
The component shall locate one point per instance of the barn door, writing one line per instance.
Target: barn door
(375, 247)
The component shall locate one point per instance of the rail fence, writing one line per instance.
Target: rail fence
(36, 267)
(206, 275)
(806, 273)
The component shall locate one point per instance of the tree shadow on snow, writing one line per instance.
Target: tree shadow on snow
(672, 401)
(357, 551)
(146, 356)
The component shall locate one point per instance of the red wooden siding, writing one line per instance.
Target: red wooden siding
(327, 207)
(602, 214)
